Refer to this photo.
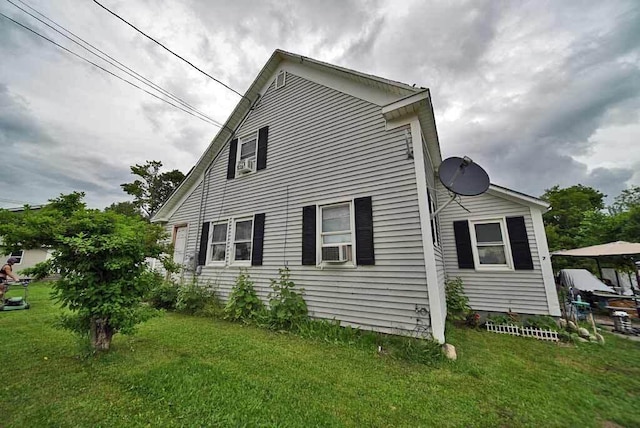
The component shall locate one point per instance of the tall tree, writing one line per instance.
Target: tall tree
(626, 200)
(568, 208)
(153, 187)
(100, 258)
(124, 208)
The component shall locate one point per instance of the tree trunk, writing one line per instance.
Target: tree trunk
(101, 334)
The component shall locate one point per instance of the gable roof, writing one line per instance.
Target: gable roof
(253, 94)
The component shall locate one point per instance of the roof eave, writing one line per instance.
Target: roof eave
(517, 197)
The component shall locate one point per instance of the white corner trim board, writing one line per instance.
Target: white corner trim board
(545, 262)
(435, 309)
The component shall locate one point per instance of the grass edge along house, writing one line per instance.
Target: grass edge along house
(332, 172)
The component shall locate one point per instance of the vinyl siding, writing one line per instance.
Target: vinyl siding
(323, 146)
(520, 291)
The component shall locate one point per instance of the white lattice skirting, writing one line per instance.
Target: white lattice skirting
(515, 330)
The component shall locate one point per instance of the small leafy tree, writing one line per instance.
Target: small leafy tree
(100, 257)
(244, 304)
(457, 301)
(286, 307)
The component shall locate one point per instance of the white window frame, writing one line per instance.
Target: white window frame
(218, 263)
(284, 78)
(243, 140)
(319, 262)
(20, 257)
(232, 242)
(505, 243)
(435, 223)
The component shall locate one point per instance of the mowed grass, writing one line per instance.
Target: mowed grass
(189, 371)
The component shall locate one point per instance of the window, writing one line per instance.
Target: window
(233, 242)
(489, 244)
(336, 234)
(242, 236)
(18, 255)
(218, 248)
(247, 149)
(435, 226)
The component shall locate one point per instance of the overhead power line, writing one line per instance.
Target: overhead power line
(120, 66)
(105, 70)
(169, 50)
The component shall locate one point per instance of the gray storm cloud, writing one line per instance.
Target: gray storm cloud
(538, 93)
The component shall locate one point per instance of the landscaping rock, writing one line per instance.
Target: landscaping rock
(583, 332)
(583, 340)
(449, 351)
(563, 323)
(600, 338)
(571, 326)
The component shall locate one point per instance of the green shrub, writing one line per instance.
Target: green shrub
(286, 307)
(500, 319)
(194, 298)
(244, 304)
(164, 295)
(542, 322)
(457, 301)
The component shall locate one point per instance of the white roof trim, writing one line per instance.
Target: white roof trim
(404, 103)
(512, 195)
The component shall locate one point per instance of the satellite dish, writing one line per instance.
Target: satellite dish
(463, 177)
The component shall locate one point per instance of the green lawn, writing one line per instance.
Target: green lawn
(188, 371)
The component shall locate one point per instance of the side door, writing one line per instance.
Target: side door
(179, 244)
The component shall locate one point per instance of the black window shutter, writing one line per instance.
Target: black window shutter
(258, 238)
(364, 231)
(519, 243)
(233, 152)
(463, 244)
(263, 137)
(309, 235)
(204, 242)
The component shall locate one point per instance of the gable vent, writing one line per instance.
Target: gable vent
(281, 79)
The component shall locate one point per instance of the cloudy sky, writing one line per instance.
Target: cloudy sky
(539, 93)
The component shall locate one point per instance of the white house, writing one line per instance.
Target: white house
(332, 172)
(26, 258)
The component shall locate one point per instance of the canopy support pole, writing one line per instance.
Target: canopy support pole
(599, 268)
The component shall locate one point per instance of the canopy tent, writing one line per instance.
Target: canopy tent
(583, 280)
(618, 248)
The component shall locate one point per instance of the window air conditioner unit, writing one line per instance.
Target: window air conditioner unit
(246, 165)
(336, 253)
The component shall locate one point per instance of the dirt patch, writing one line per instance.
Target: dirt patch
(609, 424)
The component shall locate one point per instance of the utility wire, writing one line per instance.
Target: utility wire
(169, 50)
(121, 66)
(105, 70)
